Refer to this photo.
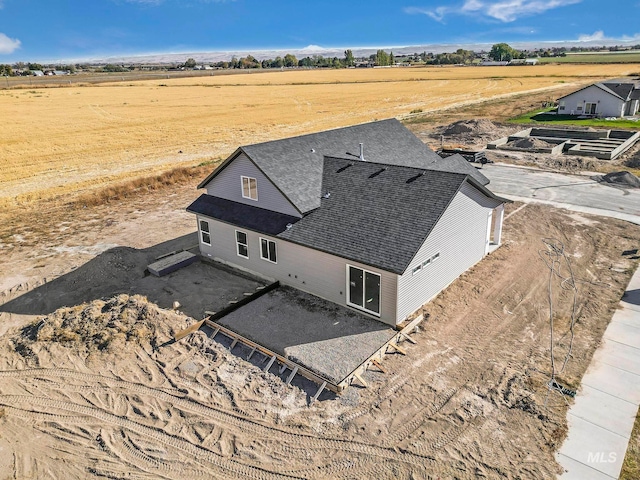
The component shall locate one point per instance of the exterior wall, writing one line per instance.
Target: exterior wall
(314, 272)
(228, 184)
(459, 237)
(609, 105)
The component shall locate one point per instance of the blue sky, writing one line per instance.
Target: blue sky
(37, 30)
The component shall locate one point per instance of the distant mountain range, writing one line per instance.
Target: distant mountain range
(225, 55)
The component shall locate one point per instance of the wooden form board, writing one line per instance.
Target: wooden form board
(256, 347)
(377, 357)
(296, 368)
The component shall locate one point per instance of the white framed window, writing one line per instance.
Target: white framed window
(205, 234)
(268, 250)
(426, 262)
(242, 247)
(416, 269)
(435, 257)
(363, 289)
(249, 188)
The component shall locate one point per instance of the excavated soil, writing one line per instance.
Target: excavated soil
(626, 179)
(88, 392)
(531, 143)
(473, 134)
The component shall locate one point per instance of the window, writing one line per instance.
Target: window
(205, 235)
(241, 244)
(426, 262)
(590, 108)
(249, 188)
(268, 250)
(435, 257)
(363, 289)
(416, 269)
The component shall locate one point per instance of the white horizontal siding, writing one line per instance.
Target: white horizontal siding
(460, 239)
(608, 105)
(314, 272)
(228, 184)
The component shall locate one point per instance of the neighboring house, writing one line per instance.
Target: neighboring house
(612, 98)
(365, 216)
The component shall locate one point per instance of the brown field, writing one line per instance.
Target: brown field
(61, 140)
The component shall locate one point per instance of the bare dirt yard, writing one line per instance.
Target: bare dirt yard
(86, 391)
(64, 140)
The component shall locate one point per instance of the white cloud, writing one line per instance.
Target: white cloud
(599, 36)
(594, 37)
(8, 45)
(504, 10)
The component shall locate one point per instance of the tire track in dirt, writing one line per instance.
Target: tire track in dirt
(223, 466)
(232, 419)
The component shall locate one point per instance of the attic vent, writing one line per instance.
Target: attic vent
(342, 169)
(375, 174)
(289, 225)
(326, 195)
(416, 177)
(362, 152)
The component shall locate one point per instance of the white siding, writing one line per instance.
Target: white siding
(227, 184)
(609, 105)
(459, 237)
(314, 272)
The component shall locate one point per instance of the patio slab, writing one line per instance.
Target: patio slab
(324, 337)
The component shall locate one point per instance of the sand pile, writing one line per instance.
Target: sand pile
(531, 142)
(623, 178)
(120, 323)
(480, 126)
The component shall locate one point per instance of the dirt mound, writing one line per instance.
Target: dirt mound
(624, 178)
(117, 324)
(480, 126)
(531, 142)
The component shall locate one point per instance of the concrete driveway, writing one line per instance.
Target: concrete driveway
(574, 192)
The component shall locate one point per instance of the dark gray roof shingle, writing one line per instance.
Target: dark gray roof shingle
(457, 164)
(371, 215)
(294, 164)
(241, 215)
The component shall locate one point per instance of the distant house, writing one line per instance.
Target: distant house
(365, 216)
(37, 73)
(612, 98)
(524, 61)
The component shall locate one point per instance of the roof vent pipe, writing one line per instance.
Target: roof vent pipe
(362, 152)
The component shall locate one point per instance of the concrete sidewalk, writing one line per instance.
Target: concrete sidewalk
(602, 417)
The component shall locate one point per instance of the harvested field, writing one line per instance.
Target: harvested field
(70, 139)
(468, 401)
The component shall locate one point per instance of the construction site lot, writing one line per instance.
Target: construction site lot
(87, 390)
(90, 136)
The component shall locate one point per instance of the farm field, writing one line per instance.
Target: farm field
(595, 57)
(71, 139)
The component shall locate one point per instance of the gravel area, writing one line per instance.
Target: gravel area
(329, 339)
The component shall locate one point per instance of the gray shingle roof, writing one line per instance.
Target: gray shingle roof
(622, 90)
(457, 164)
(376, 214)
(294, 164)
(246, 216)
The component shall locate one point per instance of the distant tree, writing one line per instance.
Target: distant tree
(35, 66)
(381, 58)
(6, 70)
(233, 63)
(190, 63)
(349, 59)
(392, 60)
(502, 52)
(290, 60)
(110, 67)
